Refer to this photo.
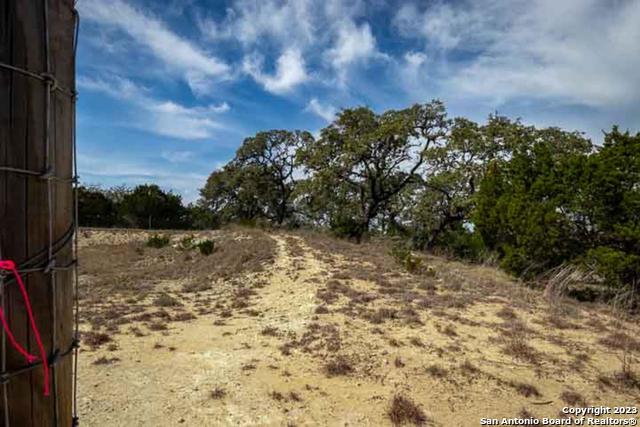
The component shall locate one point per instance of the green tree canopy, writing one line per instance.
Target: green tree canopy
(363, 160)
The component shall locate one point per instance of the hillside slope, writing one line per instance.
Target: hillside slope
(300, 329)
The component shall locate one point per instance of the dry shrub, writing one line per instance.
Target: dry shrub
(525, 389)
(276, 395)
(403, 411)
(196, 286)
(437, 371)
(341, 365)
(166, 300)
(450, 331)
(620, 341)
(321, 309)
(270, 331)
(416, 342)
(295, 397)
(95, 339)
(382, 314)
(469, 368)
(507, 313)
(183, 317)
(105, 360)
(158, 326)
(218, 393)
(519, 349)
(573, 398)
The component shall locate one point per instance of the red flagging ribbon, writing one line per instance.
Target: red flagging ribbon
(9, 265)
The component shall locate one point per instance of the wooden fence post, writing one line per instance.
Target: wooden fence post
(37, 140)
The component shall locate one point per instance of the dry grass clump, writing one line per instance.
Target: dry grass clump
(525, 389)
(519, 349)
(95, 339)
(294, 397)
(507, 313)
(341, 365)
(321, 309)
(403, 411)
(573, 398)
(416, 342)
(382, 314)
(469, 368)
(449, 330)
(105, 360)
(437, 371)
(218, 393)
(158, 326)
(276, 395)
(183, 317)
(270, 331)
(316, 338)
(620, 341)
(166, 300)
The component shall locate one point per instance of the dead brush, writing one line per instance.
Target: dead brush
(507, 313)
(158, 326)
(469, 368)
(95, 339)
(403, 411)
(270, 331)
(382, 314)
(437, 371)
(558, 282)
(341, 365)
(183, 317)
(218, 393)
(527, 390)
(573, 398)
(166, 300)
(105, 360)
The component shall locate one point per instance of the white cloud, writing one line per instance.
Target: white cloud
(290, 71)
(573, 52)
(178, 54)
(353, 43)
(161, 117)
(325, 111)
(177, 156)
(290, 23)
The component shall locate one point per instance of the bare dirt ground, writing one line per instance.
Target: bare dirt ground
(289, 329)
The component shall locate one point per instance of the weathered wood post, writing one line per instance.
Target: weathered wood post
(37, 174)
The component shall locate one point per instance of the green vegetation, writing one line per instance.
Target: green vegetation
(145, 206)
(205, 247)
(531, 199)
(158, 241)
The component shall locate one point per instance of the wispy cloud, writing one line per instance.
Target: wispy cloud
(325, 111)
(575, 51)
(290, 71)
(178, 54)
(352, 44)
(289, 23)
(177, 156)
(162, 117)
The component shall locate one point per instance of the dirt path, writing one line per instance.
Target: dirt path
(167, 379)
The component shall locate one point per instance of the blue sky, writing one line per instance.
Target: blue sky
(169, 89)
